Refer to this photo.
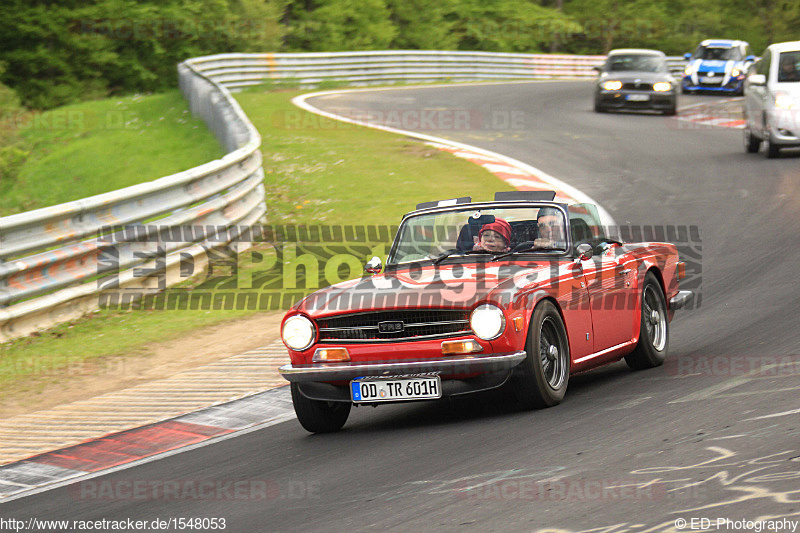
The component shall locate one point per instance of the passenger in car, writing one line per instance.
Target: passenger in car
(494, 237)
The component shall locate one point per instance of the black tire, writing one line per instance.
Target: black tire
(653, 345)
(773, 150)
(319, 416)
(541, 379)
(751, 142)
(598, 107)
(672, 110)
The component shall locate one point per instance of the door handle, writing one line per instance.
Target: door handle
(625, 272)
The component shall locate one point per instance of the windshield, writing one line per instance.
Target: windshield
(480, 232)
(789, 67)
(723, 54)
(635, 62)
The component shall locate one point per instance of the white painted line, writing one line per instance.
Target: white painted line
(775, 415)
(710, 392)
(279, 417)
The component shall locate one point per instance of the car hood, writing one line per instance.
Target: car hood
(449, 286)
(633, 76)
(714, 65)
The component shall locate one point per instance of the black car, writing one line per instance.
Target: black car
(635, 79)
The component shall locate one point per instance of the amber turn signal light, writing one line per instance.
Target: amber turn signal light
(680, 270)
(460, 347)
(331, 355)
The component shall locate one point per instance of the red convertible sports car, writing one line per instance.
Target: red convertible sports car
(520, 292)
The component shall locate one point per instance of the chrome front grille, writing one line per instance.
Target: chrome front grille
(379, 326)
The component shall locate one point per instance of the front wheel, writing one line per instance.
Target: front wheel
(773, 150)
(751, 142)
(541, 379)
(651, 350)
(319, 416)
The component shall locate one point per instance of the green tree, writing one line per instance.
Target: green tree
(510, 26)
(331, 25)
(424, 25)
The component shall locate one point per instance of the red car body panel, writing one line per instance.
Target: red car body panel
(599, 301)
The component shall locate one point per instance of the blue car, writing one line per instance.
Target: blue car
(718, 65)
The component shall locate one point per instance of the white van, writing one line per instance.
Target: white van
(772, 100)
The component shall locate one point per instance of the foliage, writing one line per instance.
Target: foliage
(66, 51)
(57, 54)
(339, 25)
(510, 26)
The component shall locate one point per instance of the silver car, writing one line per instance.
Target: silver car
(772, 100)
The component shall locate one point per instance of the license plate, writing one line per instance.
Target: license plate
(706, 79)
(637, 97)
(396, 388)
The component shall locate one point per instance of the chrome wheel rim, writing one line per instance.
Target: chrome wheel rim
(655, 320)
(552, 354)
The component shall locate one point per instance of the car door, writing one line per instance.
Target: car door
(760, 97)
(609, 277)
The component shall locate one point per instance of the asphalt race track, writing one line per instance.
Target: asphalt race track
(715, 433)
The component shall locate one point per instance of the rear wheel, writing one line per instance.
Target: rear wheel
(319, 416)
(751, 142)
(651, 350)
(541, 379)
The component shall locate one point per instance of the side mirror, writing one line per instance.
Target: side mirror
(596, 68)
(584, 251)
(374, 265)
(750, 58)
(687, 56)
(757, 79)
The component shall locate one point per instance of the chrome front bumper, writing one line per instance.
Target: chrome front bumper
(681, 300)
(459, 364)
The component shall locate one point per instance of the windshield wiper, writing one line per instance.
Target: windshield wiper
(441, 257)
(523, 247)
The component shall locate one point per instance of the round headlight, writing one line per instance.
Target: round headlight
(298, 333)
(487, 322)
(612, 85)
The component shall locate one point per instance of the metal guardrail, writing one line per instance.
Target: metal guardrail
(52, 260)
(237, 71)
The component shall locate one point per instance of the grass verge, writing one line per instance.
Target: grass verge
(90, 148)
